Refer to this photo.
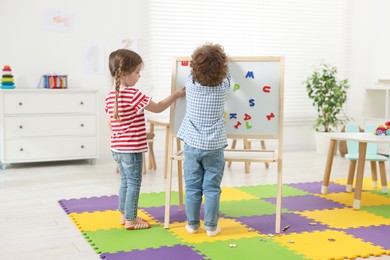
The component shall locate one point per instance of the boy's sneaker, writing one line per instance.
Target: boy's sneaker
(191, 230)
(214, 233)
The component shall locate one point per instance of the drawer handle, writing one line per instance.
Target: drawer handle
(82, 147)
(20, 103)
(82, 125)
(20, 127)
(21, 149)
(81, 103)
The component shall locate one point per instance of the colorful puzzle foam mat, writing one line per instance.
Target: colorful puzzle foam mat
(314, 226)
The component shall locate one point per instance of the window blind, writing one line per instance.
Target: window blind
(305, 32)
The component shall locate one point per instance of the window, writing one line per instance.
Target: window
(305, 32)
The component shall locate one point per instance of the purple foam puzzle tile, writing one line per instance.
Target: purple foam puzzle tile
(307, 202)
(266, 224)
(90, 204)
(315, 187)
(162, 253)
(377, 235)
(158, 213)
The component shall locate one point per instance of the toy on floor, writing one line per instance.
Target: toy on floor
(7, 81)
(383, 129)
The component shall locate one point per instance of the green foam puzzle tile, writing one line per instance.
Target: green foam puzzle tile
(157, 199)
(269, 191)
(114, 240)
(383, 210)
(247, 208)
(379, 192)
(246, 248)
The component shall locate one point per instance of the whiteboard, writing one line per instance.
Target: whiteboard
(254, 105)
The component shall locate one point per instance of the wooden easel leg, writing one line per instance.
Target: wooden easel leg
(262, 143)
(234, 143)
(180, 176)
(279, 198)
(247, 164)
(168, 189)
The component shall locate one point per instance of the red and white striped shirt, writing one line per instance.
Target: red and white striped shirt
(128, 133)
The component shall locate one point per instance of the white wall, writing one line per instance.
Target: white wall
(32, 50)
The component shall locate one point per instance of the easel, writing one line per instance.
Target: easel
(271, 131)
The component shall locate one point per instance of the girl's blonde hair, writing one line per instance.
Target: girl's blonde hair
(209, 64)
(120, 61)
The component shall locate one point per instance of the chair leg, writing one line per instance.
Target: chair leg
(351, 175)
(374, 174)
(234, 143)
(152, 159)
(382, 170)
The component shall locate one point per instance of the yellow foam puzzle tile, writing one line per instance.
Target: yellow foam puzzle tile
(345, 218)
(230, 194)
(329, 244)
(367, 183)
(92, 221)
(346, 198)
(230, 230)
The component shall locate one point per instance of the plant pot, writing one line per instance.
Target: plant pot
(322, 142)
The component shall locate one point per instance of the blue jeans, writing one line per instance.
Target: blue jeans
(203, 172)
(130, 168)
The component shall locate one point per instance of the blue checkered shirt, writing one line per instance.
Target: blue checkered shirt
(203, 124)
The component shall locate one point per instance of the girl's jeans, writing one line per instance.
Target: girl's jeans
(203, 172)
(130, 168)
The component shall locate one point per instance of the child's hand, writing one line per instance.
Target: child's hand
(181, 92)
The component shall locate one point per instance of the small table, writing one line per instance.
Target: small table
(362, 139)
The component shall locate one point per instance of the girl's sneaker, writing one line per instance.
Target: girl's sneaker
(122, 220)
(136, 224)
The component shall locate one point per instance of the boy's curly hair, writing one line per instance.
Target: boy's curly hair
(209, 64)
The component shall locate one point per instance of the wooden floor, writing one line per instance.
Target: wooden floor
(33, 226)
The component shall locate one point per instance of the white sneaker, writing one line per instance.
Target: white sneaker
(214, 233)
(191, 230)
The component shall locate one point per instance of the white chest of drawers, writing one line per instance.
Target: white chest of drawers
(47, 125)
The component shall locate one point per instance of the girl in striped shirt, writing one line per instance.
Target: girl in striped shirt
(125, 106)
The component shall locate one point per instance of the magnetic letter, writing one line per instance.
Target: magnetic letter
(248, 126)
(247, 117)
(237, 125)
(251, 102)
(249, 74)
(267, 89)
(236, 87)
(270, 116)
(233, 115)
(184, 63)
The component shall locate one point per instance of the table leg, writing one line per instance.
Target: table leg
(328, 168)
(359, 175)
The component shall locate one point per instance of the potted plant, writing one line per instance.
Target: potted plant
(328, 95)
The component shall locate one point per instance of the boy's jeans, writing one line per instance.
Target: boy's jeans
(203, 172)
(130, 168)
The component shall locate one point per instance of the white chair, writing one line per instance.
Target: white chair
(371, 155)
